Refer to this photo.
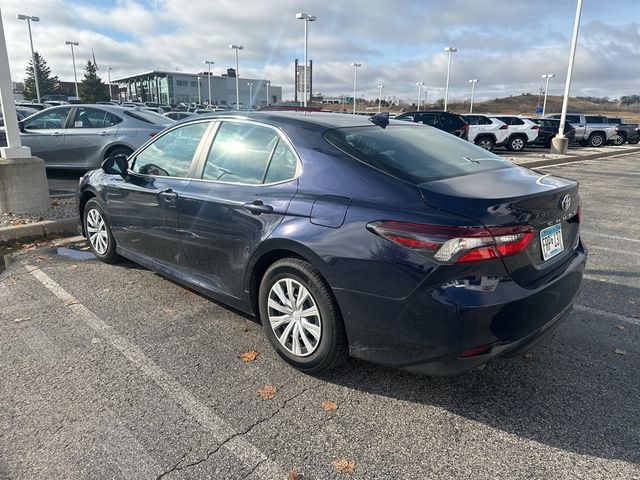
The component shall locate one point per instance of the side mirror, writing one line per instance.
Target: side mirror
(21, 125)
(116, 165)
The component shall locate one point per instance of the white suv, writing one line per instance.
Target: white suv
(521, 131)
(486, 132)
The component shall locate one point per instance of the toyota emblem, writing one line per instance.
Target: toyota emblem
(566, 203)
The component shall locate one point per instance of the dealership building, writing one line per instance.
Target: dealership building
(179, 87)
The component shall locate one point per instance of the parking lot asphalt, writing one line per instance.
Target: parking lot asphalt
(116, 372)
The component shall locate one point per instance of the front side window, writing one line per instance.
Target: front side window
(171, 154)
(240, 153)
(51, 119)
(413, 153)
(572, 118)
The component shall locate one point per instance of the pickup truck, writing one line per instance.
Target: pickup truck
(592, 130)
(625, 132)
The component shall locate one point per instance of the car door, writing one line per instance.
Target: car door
(578, 124)
(44, 134)
(143, 209)
(89, 133)
(246, 182)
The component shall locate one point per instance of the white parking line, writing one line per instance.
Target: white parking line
(615, 237)
(604, 313)
(614, 250)
(223, 433)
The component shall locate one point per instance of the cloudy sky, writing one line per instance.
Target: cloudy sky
(506, 44)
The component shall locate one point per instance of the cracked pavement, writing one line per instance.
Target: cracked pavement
(160, 393)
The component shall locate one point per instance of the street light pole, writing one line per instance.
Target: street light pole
(380, 87)
(250, 95)
(419, 84)
(546, 89)
(307, 18)
(473, 82)
(109, 79)
(267, 85)
(30, 19)
(355, 83)
(236, 48)
(199, 93)
(559, 143)
(209, 63)
(450, 51)
(73, 58)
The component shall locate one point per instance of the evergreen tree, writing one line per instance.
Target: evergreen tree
(48, 84)
(92, 89)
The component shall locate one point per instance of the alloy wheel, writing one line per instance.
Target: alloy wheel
(294, 317)
(97, 231)
(517, 144)
(485, 144)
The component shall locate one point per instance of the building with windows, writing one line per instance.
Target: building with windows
(179, 87)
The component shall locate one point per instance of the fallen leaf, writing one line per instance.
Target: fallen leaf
(329, 405)
(72, 267)
(249, 356)
(95, 340)
(620, 327)
(71, 302)
(267, 392)
(293, 474)
(527, 355)
(106, 290)
(22, 319)
(620, 352)
(246, 329)
(188, 293)
(344, 465)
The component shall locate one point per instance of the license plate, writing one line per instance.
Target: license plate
(551, 241)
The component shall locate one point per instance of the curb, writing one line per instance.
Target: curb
(39, 230)
(569, 159)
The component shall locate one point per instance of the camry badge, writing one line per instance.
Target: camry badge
(566, 203)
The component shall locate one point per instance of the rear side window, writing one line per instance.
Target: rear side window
(149, 117)
(240, 153)
(594, 119)
(428, 119)
(413, 153)
(450, 122)
(94, 118)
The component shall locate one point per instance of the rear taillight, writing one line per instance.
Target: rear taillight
(465, 127)
(455, 244)
(535, 127)
(504, 127)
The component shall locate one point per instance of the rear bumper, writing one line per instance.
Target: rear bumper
(428, 331)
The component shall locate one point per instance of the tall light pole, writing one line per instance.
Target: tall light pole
(419, 84)
(109, 79)
(450, 51)
(307, 18)
(236, 48)
(250, 94)
(473, 82)
(559, 143)
(380, 87)
(30, 19)
(267, 84)
(199, 92)
(73, 58)
(546, 89)
(355, 83)
(209, 63)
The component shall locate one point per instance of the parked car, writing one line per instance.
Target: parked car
(625, 132)
(591, 130)
(520, 132)
(389, 241)
(21, 113)
(178, 115)
(449, 122)
(82, 136)
(37, 106)
(549, 129)
(486, 132)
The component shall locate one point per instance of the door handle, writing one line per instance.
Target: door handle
(55, 134)
(104, 134)
(257, 207)
(169, 196)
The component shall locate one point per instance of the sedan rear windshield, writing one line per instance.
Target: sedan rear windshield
(149, 117)
(414, 153)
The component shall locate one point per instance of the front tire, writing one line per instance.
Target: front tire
(618, 140)
(300, 317)
(98, 231)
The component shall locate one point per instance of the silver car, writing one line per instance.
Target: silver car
(82, 136)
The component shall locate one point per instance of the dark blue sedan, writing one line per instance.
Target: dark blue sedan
(392, 242)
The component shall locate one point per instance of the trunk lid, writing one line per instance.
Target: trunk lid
(515, 196)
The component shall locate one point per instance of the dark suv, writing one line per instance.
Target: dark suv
(449, 122)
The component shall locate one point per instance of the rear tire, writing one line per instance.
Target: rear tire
(618, 140)
(288, 288)
(98, 231)
(596, 140)
(634, 141)
(516, 144)
(485, 143)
